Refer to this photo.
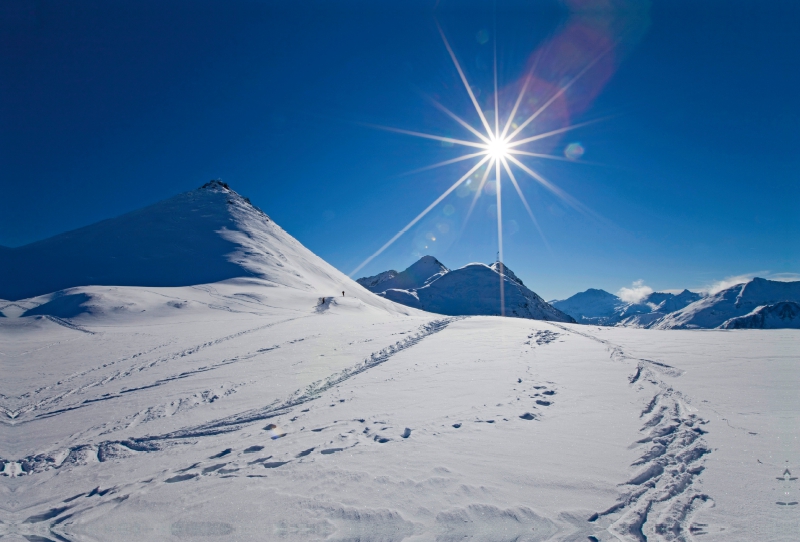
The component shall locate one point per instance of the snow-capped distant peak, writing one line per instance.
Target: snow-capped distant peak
(474, 289)
(420, 273)
(760, 302)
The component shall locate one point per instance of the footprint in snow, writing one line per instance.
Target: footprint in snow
(274, 464)
(223, 453)
(406, 433)
(180, 478)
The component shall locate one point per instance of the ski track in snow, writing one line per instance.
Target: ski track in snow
(661, 499)
(115, 449)
(58, 398)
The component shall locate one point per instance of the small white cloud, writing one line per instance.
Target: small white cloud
(635, 293)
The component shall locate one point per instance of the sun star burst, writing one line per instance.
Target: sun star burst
(497, 150)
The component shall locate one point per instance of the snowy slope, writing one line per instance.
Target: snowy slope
(471, 290)
(425, 270)
(239, 411)
(776, 316)
(740, 300)
(206, 235)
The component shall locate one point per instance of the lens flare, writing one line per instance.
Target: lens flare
(275, 432)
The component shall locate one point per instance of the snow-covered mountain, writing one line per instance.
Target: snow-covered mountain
(245, 409)
(758, 303)
(591, 307)
(202, 236)
(599, 307)
(785, 314)
(425, 270)
(471, 290)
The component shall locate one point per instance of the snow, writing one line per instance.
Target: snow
(423, 271)
(206, 235)
(776, 316)
(599, 307)
(593, 306)
(266, 407)
(758, 303)
(740, 300)
(471, 290)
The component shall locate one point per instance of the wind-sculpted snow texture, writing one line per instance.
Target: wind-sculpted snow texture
(471, 290)
(240, 411)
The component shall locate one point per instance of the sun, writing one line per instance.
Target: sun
(498, 148)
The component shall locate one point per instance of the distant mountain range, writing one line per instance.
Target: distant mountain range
(213, 234)
(471, 290)
(602, 308)
(759, 303)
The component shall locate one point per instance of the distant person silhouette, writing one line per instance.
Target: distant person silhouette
(342, 293)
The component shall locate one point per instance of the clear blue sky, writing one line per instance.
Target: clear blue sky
(107, 106)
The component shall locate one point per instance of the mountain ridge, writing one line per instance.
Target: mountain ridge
(203, 236)
(470, 290)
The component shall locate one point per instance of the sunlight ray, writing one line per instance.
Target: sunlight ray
(500, 239)
(458, 119)
(477, 194)
(524, 201)
(444, 163)
(528, 78)
(550, 157)
(552, 133)
(428, 136)
(464, 80)
(561, 91)
(550, 186)
(496, 104)
(422, 214)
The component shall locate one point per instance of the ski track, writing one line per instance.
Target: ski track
(659, 501)
(57, 399)
(115, 449)
(471, 521)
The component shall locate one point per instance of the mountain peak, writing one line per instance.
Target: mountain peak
(421, 272)
(202, 236)
(216, 185)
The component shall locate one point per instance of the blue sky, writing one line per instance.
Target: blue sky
(109, 106)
